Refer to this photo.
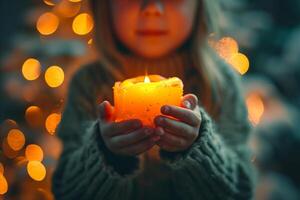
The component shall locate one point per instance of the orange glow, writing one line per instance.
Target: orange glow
(240, 63)
(47, 23)
(67, 8)
(49, 2)
(34, 152)
(34, 116)
(15, 139)
(75, 0)
(83, 24)
(1, 168)
(90, 41)
(52, 122)
(255, 107)
(36, 170)
(31, 69)
(54, 76)
(3, 184)
(226, 47)
(145, 98)
(147, 80)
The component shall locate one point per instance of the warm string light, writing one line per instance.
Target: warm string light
(54, 76)
(31, 69)
(3, 184)
(15, 139)
(52, 122)
(255, 107)
(228, 49)
(83, 24)
(47, 23)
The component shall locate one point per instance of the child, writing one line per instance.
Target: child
(203, 152)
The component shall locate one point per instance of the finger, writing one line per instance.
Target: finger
(117, 128)
(189, 101)
(173, 140)
(105, 111)
(124, 140)
(183, 114)
(138, 147)
(176, 127)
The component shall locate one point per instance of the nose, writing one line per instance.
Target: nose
(152, 7)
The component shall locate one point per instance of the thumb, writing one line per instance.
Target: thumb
(106, 110)
(189, 101)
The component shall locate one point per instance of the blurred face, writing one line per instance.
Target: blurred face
(153, 28)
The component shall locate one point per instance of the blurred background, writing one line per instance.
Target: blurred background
(43, 42)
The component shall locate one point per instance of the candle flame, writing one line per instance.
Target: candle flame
(147, 79)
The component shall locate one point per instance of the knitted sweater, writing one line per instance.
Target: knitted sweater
(216, 166)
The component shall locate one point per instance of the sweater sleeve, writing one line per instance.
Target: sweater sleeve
(86, 169)
(217, 165)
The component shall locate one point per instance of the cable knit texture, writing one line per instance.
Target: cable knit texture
(216, 166)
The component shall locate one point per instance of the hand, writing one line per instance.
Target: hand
(180, 127)
(125, 137)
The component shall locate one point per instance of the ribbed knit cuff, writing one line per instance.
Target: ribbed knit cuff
(173, 157)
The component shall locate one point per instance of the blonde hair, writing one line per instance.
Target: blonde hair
(201, 55)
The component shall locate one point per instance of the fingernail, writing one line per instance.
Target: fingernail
(187, 104)
(166, 109)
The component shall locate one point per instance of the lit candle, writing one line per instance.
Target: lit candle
(142, 97)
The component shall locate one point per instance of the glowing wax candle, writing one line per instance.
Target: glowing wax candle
(142, 97)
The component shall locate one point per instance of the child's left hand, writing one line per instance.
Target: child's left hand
(180, 133)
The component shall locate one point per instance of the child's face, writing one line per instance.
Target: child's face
(153, 28)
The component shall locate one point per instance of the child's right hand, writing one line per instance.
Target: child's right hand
(125, 137)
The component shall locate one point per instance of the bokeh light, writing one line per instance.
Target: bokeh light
(83, 24)
(36, 170)
(54, 76)
(255, 107)
(47, 23)
(52, 122)
(31, 69)
(240, 62)
(226, 47)
(34, 116)
(15, 139)
(3, 184)
(49, 2)
(34, 152)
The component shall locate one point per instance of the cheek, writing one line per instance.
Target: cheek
(124, 21)
(181, 17)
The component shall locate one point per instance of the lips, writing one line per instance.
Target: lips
(151, 32)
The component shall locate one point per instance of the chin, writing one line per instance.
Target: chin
(152, 53)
